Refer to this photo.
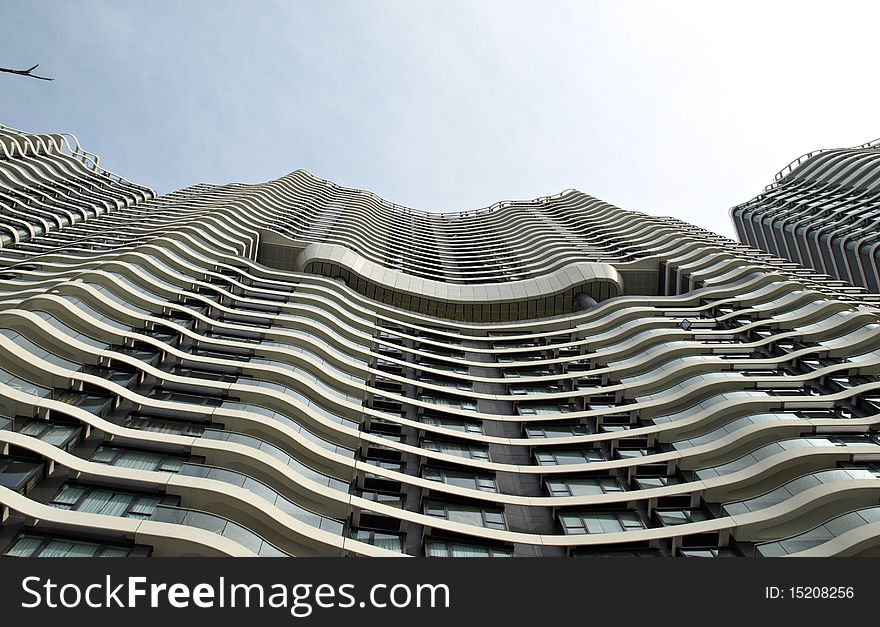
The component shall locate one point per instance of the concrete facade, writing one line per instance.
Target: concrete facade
(297, 368)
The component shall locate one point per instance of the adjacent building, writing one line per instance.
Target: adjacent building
(298, 368)
(821, 211)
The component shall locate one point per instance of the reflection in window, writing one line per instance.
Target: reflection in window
(705, 553)
(473, 451)
(444, 548)
(600, 522)
(62, 436)
(467, 426)
(160, 425)
(20, 475)
(555, 431)
(451, 403)
(381, 539)
(484, 515)
(583, 486)
(680, 516)
(533, 389)
(83, 498)
(461, 479)
(28, 545)
(543, 409)
(553, 457)
(386, 498)
(139, 460)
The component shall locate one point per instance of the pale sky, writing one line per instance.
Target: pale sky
(671, 108)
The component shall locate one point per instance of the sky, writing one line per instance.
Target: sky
(672, 108)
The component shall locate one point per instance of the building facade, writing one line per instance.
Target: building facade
(298, 368)
(821, 211)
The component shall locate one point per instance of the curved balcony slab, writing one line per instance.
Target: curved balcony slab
(550, 294)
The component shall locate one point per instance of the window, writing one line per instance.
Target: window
(455, 384)
(533, 389)
(615, 553)
(62, 436)
(92, 403)
(510, 373)
(554, 457)
(139, 460)
(467, 426)
(20, 475)
(509, 359)
(668, 518)
(514, 344)
(383, 335)
(158, 425)
(441, 351)
(181, 397)
(457, 369)
(386, 498)
(452, 403)
(461, 479)
(486, 515)
(382, 539)
(391, 437)
(704, 553)
(472, 451)
(583, 486)
(28, 545)
(613, 428)
(543, 409)
(373, 459)
(555, 431)
(83, 498)
(629, 453)
(444, 548)
(645, 483)
(599, 522)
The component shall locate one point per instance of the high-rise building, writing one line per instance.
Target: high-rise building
(300, 368)
(821, 211)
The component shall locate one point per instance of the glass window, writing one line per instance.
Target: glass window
(455, 384)
(698, 553)
(68, 496)
(645, 483)
(65, 548)
(552, 457)
(555, 431)
(61, 436)
(94, 500)
(20, 475)
(582, 486)
(24, 546)
(386, 498)
(533, 389)
(600, 522)
(382, 539)
(543, 409)
(483, 515)
(139, 460)
(444, 548)
(473, 451)
(680, 516)
(467, 426)
(628, 453)
(28, 545)
(158, 425)
(453, 403)
(461, 479)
